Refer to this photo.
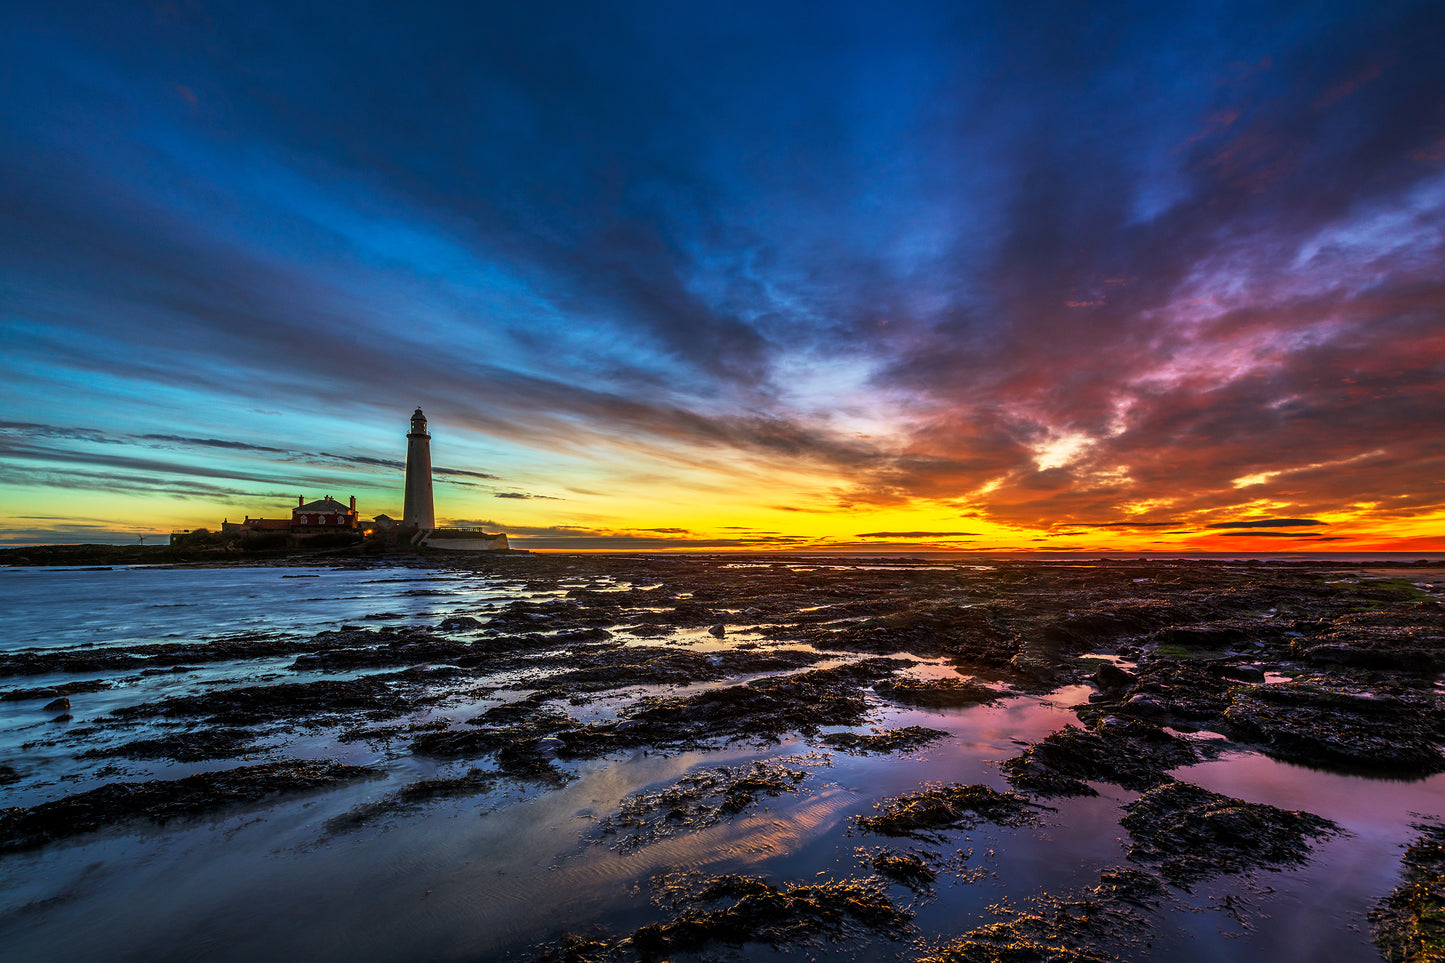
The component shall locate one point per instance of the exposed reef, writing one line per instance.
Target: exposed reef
(1076, 928)
(698, 800)
(904, 740)
(791, 666)
(161, 800)
(926, 813)
(1192, 834)
(734, 910)
(1131, 754)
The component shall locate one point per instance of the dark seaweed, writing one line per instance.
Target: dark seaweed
(926, 813)
(1409, 924)
(160, 801)
(1192, 834)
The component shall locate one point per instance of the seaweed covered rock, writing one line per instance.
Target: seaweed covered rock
(1111, 678)
(578, 949)
(1074, 928)
(906, 739)
(936, 693)
(1127, 753)
(411, 797)
(518, 750)
(1409, 924)
(187, 745)
(246, 705)
(1321, 723)
(603, 670)
(698, 800)
(1407, 638)
(926, 813)
(735, 910)
(910, 869)
(1193, 834)
(1170, 690)
(765, 708)
(970, 634)
(162, 800)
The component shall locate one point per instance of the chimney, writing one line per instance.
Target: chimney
(353, 504)
(300, 500)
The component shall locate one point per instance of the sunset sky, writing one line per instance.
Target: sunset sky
(982, 276)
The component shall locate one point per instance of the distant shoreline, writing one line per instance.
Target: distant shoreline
(97, 554)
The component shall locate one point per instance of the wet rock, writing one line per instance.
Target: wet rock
(765, 708)
(58, 705)
(936, 693)
(1408, 639)
(906, 739)
(8, 774)
(460, 623)
(1208, 639)
(578, 949)
(187, 746)
(1243, 673)
(1127, 753)
(617, 668)
(718, 630)
(910, 869)
(1109, 677)
(162, 800)
(925, 814)
(247, 705)
(1323, 724)
(1178, 691)
(696, 801)
(88, 658)
(50, 692)
(411, 797)
(1408, 925)
(1192, 834)
(387, 647)
(1085, 631)
(1146, 706)
(1077, 928)
(736, 910)
(924, 629)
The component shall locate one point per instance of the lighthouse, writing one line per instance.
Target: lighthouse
(417, 508)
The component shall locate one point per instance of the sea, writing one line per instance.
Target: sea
(496, 876)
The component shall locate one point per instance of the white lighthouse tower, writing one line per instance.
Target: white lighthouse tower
(417, 508)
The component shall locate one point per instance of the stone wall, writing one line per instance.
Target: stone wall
(465, 540)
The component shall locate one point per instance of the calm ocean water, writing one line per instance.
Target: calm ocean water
(130, 604)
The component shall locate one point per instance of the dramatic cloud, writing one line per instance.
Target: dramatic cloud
(461, 472)
(1113, 273)
(1313, 535)
(913, 534)
(1268, 523)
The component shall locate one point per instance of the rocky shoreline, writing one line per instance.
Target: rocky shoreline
(1326, 665)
